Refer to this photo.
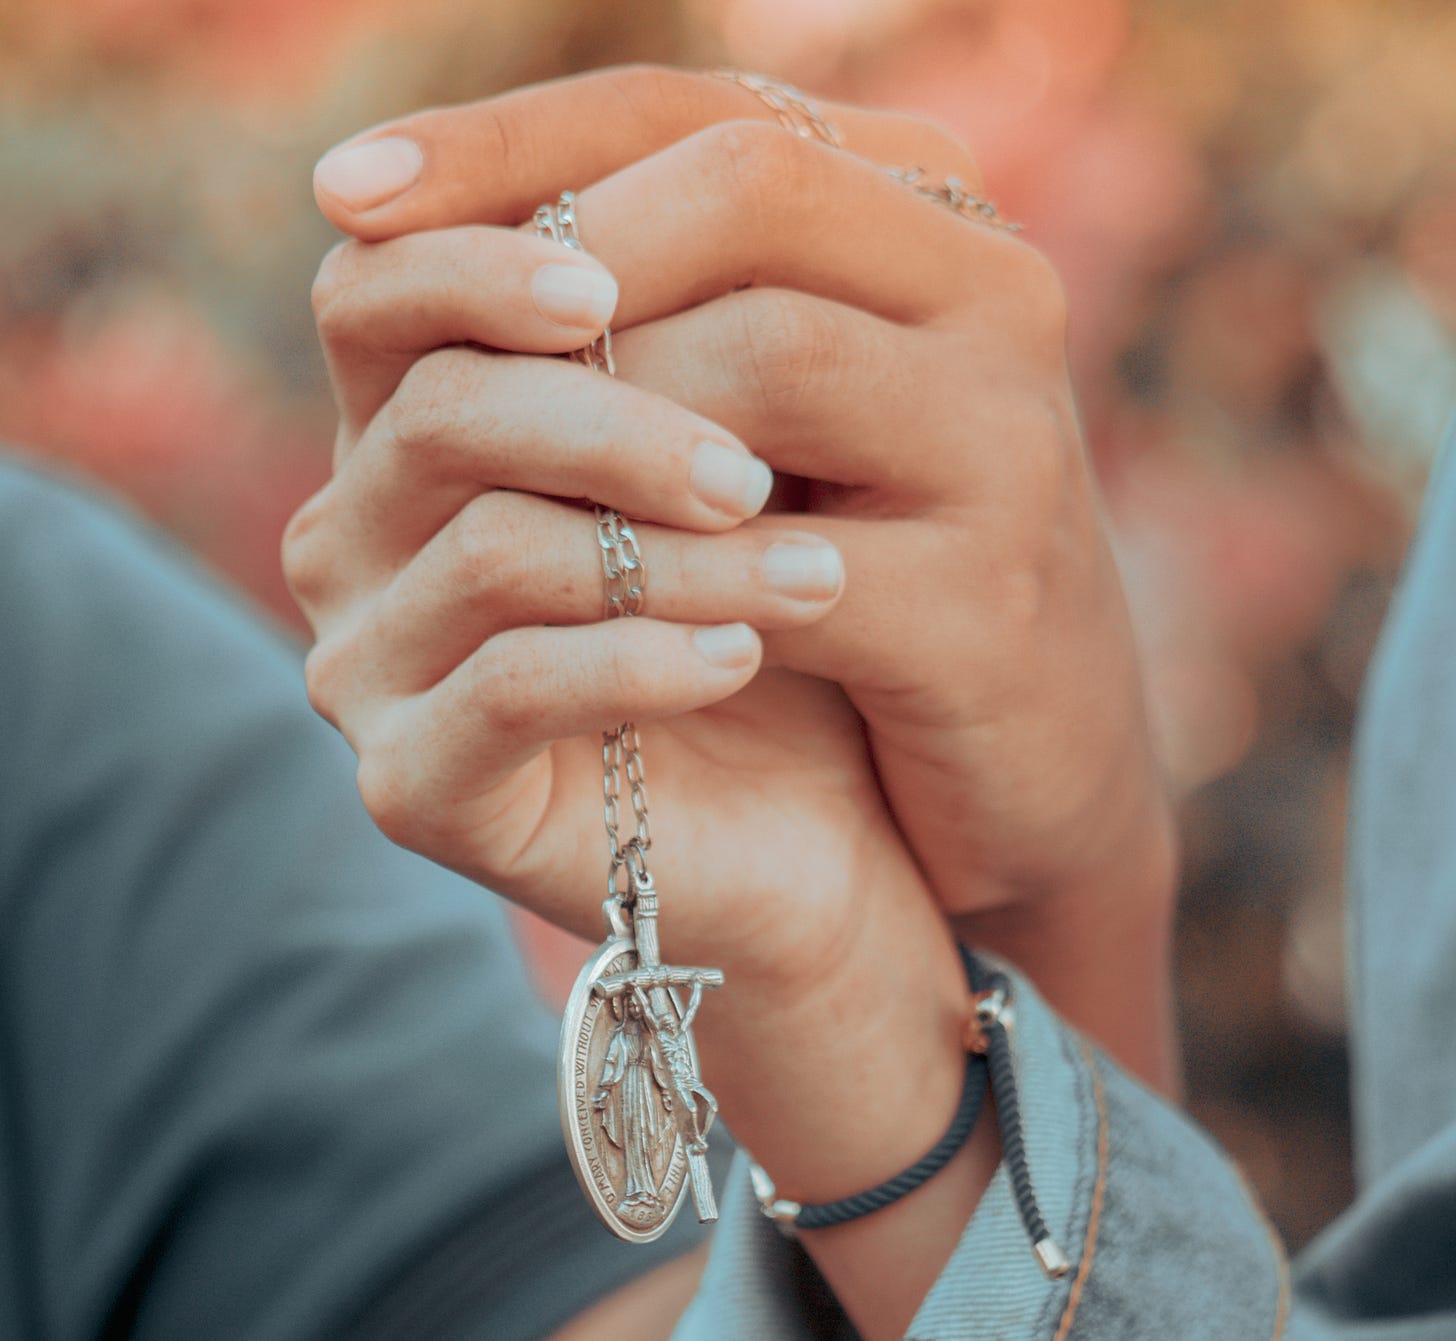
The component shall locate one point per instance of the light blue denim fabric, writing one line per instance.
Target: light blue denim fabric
(264, 1076)
(1165, 1241)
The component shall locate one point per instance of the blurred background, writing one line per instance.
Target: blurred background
(1254, 206)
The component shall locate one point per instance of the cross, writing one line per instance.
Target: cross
(650, 982)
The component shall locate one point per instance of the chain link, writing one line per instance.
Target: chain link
(952, 193)
(622, 756)
(626, 580)
(558, 223)
(794, 110)
(626, 577)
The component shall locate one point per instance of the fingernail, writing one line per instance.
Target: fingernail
(729, 481)
(727, 646)
(574, 295)
(808, 570)
(369, 174)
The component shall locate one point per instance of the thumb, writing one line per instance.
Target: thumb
(494, 161)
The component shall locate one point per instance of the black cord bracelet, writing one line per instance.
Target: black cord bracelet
(821, 1216)
(973, 1097)
(988, 1066)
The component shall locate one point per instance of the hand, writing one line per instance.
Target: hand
(457, 602)
(909, 364)
(458, 647)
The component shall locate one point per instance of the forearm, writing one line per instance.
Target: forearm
(1103, 962)
(1100, 949)
(837, 1088)
(882, 1266)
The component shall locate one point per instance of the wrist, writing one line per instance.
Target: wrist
(840, 1078)
(882, 1267)
(1098, 947)
(876, 1068)
(906, 1228)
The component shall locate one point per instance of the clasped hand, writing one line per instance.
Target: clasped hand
(903, 688)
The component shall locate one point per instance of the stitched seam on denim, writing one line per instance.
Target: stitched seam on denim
(1053, 1303)
(1094, 1218)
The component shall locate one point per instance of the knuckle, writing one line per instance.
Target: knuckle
(424, 412)
(514, 553)
(398, 784)
(303, 550)
(324, 676)
(485, 538)
(792, 346)
(756, 162)
(386, 792)
(507, 687)
(330, 291)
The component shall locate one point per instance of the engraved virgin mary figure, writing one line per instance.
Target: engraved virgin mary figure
(628, 1099)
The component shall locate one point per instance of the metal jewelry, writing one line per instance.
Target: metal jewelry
(634, 1111)
(626, 578)
(990, 1072)
(953, 195)
(794, 109)
(796, 112)
(558, 223)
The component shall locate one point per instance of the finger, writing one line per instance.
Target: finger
(446, 752)
(495, 161)
(529, 686)
(379, 307)
(818, 389)
(510, 560)
(903, 579)
(463, 422)
(745, 203)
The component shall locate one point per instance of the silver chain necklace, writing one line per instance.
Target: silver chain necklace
(633, 1110)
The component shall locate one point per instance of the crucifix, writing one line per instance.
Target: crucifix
(689, 1104)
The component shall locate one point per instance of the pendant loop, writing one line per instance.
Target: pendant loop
(617, 913)
(630, 861)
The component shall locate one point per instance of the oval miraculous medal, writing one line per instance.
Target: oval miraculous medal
(633, 1113)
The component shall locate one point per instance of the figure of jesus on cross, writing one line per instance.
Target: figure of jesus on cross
(668, 1062)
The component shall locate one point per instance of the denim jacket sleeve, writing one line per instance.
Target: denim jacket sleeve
(1165, 1242)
